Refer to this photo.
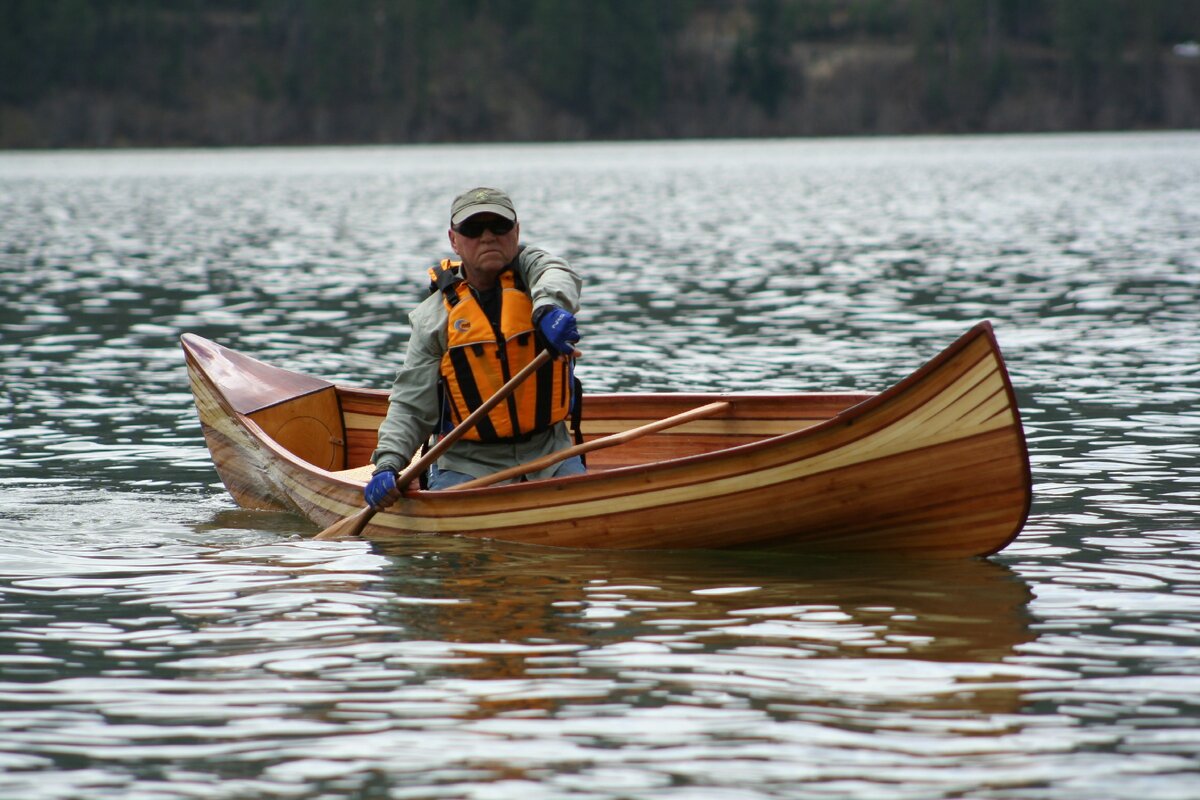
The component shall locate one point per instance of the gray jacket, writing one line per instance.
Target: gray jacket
(413, 411)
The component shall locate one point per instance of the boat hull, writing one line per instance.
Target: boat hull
(935, 465)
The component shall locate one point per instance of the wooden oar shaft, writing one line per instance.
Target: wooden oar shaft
(353, 525)
(712, 409)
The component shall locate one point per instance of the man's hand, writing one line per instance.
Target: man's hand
(381, 490)
(558, 329)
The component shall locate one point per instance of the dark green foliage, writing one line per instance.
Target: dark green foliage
(959, 54)
(213, 71)
(599, 60)
(760, 59)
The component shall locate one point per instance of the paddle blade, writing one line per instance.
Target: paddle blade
(348, 527)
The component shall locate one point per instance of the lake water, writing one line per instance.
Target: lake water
(158, 643)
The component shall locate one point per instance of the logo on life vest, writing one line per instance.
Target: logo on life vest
(462, 325)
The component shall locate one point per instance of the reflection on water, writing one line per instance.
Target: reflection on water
(286, 659)
(160, 643)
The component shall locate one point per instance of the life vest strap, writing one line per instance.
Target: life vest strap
(444, 278)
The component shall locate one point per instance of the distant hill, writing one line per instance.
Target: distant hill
(99, 73)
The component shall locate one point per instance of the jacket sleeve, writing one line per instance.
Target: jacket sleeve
(412, 406)
(551, 280)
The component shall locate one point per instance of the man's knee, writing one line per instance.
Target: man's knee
(572, 466)
(446, 478)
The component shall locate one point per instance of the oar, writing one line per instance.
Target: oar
(709, 410)
(353, 525)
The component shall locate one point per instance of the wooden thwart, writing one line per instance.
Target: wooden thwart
(712, 409)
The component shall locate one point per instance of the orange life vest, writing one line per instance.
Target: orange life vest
(480, 359)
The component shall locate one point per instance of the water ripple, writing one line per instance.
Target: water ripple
(159, 643)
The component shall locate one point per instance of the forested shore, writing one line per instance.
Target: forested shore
(86, 73)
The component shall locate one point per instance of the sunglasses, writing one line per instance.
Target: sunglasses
(473, 228)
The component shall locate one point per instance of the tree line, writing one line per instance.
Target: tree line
(220, 72)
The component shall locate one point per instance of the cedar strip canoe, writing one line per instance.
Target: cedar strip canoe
(935, 465)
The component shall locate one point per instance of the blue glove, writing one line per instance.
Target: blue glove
(381, 490)
(558, 328)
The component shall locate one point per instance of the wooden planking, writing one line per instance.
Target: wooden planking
(937, 464)
(642, 452)
(755, 417)
(942, 416)
(660, 447)
(744, 429)
(362, 413)
(776, 465)
(246, 485)
(748, 405)
(900, 433)
(824, 514)
(233, 450)
(927, 390)
(581, 449)
(359, 446)
(673, 500)
(933, 493)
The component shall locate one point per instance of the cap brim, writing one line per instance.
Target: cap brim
(483, 208)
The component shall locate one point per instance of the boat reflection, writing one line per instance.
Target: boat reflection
(829, 606)
(493, 629)
(796, 636)
(466, 592)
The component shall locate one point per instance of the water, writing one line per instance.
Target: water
(156, 642)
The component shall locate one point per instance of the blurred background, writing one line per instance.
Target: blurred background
(92, 73)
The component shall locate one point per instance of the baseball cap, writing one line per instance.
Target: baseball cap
(481, 200)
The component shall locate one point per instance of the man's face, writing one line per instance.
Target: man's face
(484, 256)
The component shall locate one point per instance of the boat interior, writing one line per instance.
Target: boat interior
(335, 428)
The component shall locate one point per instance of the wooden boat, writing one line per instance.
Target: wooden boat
(937, 464)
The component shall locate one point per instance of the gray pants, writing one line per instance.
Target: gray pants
(445, 478)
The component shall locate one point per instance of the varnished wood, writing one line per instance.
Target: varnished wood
(247, 384)
(937, 464)
(309, 427)
(596, 444)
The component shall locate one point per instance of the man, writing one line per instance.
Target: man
(488, 315)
